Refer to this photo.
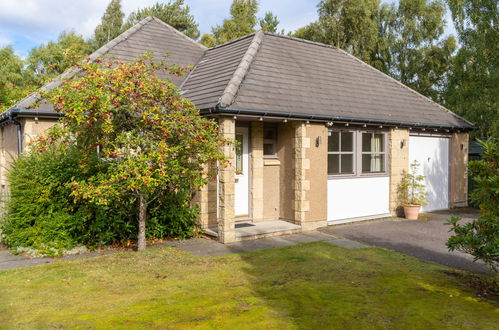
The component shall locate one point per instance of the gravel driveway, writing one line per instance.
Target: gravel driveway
(421, 239)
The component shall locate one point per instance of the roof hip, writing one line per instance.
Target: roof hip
(230, 92)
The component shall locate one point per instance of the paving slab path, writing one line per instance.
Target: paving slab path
(197, 246)
(423, 239)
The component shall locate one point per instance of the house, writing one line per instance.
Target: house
(324, 137)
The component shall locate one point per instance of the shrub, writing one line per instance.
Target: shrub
(411, 189)
(480, 237)
(43, 217)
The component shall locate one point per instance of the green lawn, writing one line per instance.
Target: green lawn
(314, 285)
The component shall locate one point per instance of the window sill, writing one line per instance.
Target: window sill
(271, 162)
(354, 176)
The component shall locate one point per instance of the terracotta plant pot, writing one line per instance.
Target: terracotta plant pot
(411, 211)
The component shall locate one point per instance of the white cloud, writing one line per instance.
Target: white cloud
(4, 41)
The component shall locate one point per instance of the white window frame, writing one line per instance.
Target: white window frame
(357, 154)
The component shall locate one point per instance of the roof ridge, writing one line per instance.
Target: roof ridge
(300, 40)
(230, 92)
(427, 99)
(69, 73)
(177, 31)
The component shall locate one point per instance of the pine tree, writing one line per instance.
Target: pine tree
(110, 26)
(174, 13)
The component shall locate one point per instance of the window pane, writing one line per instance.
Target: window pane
(379, 142)
(333, 164)
(373, 163)
(239, 154)
(346, 163)
(333, 141)
(366, 142)
(346, 141)
(269, 149)
(373, 142)
(269, 133)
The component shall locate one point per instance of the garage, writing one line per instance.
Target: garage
(432, 153)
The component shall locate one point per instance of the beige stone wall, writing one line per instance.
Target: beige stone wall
(226, 185)
(458, 171)
(8, 150)
(32, 128)
(271, 189)
(285, 147)
(317, 175)
(206, 198)
(257, 172)
(398, 153)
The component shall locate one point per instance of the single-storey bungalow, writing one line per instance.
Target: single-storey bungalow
(324, 137)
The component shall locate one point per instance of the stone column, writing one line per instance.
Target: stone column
(458, 170)
(301, 204)
(398, 151)
(256, 171)
(226, 188)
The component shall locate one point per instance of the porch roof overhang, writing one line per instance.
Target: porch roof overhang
(329, 120)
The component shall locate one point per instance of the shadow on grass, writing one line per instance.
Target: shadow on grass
(317, 285)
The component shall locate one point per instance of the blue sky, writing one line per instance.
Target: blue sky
(28, 23)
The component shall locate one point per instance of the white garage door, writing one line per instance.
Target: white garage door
(433, 155)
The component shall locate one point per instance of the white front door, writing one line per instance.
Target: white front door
(241, 198)
(432, 153)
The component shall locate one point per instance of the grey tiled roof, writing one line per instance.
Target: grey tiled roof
(291, 77)
(149, 35)
(263, 73)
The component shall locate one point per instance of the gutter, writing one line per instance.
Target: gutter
(329, 119)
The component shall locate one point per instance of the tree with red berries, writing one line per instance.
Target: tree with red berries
(137, 134)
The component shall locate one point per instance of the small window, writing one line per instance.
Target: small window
(373, 153)
(239, 154)
(340, 152)
(269, 141)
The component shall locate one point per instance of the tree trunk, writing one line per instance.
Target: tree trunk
(142, 222)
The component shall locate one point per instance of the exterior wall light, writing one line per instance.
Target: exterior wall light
(318, 141)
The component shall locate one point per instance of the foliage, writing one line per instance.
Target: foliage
(404, 41)
(269, 22)
(151, 141)
(242, 22)
(480, 237)
(411, 189)
(50, 60)
(347, 24)
(472, 86)
(43, 216)
(174, 13)
(415, 52)
(110, 26)
(15, 81)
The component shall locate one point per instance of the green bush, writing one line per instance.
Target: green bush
(42, 215)
(480, 238)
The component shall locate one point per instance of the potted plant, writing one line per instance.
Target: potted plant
(412, 192)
